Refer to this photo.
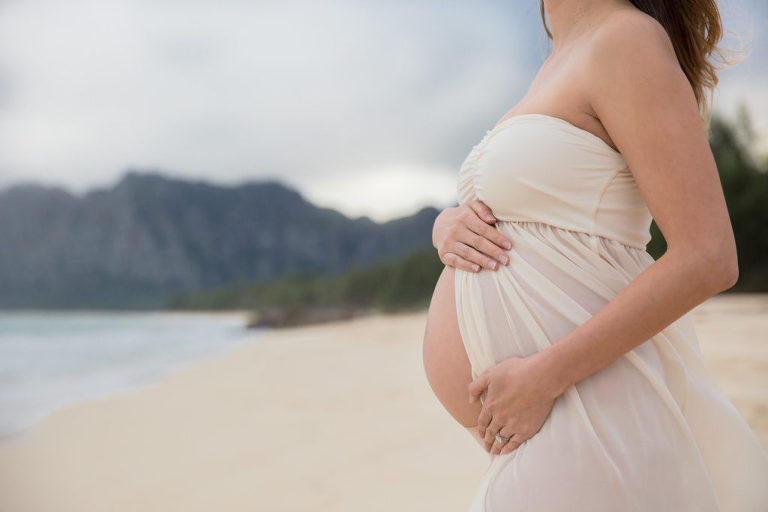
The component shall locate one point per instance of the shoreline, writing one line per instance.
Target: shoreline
(76, 356)
(335, 416)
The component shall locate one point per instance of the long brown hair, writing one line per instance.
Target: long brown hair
(695, 29)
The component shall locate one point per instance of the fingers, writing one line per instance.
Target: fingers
(470, 254)
(480, 249)
(456, 261)
(514, 442)
(477, 386)
(483, 420)
(475, 248)
(482, 210)
(497, 447)
(490, 433)
(494, 237)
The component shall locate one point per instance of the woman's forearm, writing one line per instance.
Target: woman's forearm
(661, 294)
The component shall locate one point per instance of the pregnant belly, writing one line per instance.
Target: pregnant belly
(445, 359)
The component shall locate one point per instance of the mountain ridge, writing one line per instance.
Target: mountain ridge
(149, 236)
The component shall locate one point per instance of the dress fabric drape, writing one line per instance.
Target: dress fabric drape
(652, 430)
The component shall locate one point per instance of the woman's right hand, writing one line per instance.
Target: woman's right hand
(465, 239)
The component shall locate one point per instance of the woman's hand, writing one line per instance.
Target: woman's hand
(464, 239)
(517, 402)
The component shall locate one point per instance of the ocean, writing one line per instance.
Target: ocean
(49, 360)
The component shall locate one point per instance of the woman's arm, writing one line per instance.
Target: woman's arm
(647, 106)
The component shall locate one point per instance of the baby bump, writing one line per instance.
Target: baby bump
(492, 335)
(446, 364)
(478, 319)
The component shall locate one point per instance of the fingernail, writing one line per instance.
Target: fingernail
(504, 259)
(507, 244)
(492, 264)
(475, 267)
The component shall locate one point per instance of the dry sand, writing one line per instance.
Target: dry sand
(335, 417)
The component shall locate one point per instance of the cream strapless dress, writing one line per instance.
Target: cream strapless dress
(650, 432)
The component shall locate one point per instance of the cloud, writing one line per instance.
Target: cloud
(235, 89)
(332, 97)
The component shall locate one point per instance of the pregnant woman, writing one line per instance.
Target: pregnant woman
(570, 355)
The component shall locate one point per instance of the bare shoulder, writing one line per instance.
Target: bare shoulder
(631, 64)
(632, 39)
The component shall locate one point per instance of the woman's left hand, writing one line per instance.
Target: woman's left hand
(517, 403)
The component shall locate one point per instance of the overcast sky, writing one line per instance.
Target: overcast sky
(369, 107)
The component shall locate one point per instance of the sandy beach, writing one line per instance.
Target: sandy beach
(333, 417)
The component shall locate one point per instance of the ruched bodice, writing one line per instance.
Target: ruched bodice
(536, 167)
(652, 430)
